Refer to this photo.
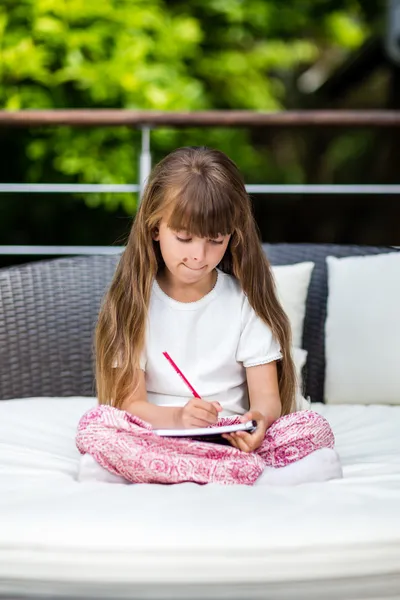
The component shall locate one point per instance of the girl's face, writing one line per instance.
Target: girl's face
(189, 258)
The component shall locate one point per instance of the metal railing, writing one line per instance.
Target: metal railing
(147, 120)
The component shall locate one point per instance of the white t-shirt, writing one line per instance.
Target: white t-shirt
(212, 341)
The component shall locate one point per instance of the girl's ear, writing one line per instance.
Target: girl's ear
(155, 234)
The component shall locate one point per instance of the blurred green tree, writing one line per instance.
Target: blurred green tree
(165, 55)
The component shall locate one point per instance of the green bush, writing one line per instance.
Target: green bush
(164, 55)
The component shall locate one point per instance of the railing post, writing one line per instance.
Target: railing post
(145, 159)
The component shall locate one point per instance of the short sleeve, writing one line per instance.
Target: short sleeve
(257, 345)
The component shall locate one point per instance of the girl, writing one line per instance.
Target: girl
(194, 281)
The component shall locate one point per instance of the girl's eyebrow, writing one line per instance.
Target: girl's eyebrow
(187, 233)
(182, 232)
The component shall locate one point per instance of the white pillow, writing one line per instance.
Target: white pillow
(292, 283)
(362, 330)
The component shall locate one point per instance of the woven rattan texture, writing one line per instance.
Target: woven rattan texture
(48, 312)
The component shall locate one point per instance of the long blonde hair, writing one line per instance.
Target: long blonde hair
(202, 191)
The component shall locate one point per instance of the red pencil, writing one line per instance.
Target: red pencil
(177, 369)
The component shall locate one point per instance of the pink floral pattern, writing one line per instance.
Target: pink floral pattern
(125, 445)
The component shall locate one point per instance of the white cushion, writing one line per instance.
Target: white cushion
(362, 330)
(121, 541)
(292, 283)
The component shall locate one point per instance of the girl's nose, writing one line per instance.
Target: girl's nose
(199, 251)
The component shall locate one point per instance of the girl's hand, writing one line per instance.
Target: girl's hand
(248, 442)
(198, 413)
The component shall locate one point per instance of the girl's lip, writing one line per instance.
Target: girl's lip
(200, 269)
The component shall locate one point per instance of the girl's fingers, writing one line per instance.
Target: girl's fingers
(240, 443)
(211, 406)
(206, 415)
(230, 438)
(237, 440)
(248, 417)
(197, 422)
(243, 446)
(246, 442)
(247, 437)
(208, 409)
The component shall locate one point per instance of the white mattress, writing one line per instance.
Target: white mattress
(61, 537)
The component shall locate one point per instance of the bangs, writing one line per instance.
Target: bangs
(205, 209)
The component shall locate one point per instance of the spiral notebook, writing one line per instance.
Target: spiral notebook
(250, 427)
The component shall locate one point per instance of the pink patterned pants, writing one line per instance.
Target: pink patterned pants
(125, 445)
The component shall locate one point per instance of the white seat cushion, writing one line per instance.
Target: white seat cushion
(59, 536)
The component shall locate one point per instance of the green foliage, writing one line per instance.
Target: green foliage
(164, 55)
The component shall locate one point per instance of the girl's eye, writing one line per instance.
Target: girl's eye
(187, 240)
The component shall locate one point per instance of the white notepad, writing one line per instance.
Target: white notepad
(250, 426)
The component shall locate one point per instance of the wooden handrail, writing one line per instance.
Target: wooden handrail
(214, 118)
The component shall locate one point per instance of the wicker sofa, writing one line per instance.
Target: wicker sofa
(63, 539)
(49, 309)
